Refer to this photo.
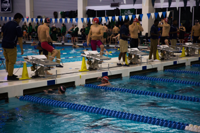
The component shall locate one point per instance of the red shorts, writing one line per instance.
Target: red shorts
(47, 47)
(95, 43)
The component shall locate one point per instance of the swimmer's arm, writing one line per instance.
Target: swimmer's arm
(106, 84)
(20, 43)
(140, 28)
(160, 25)
(99, 77)
(48, 36)
(102, 85)
(184, 29)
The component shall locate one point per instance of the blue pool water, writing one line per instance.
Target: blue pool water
(67, 55)
(21, 116)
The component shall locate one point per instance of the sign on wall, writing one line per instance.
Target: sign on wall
(127, 11)
(6, 6)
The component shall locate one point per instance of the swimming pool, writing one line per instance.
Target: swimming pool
(22, 116)
(67, 55)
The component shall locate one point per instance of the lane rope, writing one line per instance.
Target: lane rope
(146, 93)
(196, 65)
(107, 112)
(166, 80)
(182, 71)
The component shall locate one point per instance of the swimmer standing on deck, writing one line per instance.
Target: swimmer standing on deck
(45, 39)
(95, 34)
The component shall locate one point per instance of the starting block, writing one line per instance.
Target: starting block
(168, 52)
(40, 62)
(94, 59)
(137, 55)
(192, 49)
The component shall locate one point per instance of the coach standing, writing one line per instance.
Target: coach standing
(154, 40)
(12, 33)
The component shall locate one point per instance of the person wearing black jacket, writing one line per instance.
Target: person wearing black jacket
(12, 33)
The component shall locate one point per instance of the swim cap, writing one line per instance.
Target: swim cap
(196, 21)
(105, 78)
(62, 89)
(166, 19)
(96, 20)
(47, 20)
(135, 20)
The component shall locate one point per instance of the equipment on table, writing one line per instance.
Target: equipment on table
(192, 49)
(94, 59)
(137, 55)
(40, 63)
(168, 52)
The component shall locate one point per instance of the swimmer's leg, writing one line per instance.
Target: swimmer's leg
(102, 49)
(58, 57)
(53, 54)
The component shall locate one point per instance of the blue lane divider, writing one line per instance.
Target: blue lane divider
(196, 65)
(182, 71)
(140, 92)
(166, 80)
(107, 112)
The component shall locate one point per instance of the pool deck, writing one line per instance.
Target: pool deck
(70, 73)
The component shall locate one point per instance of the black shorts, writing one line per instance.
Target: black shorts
(45, 52)
(116, 34)
(162, 39)
(181, 35)
(134, 43)
(74, 35)
(196, 39)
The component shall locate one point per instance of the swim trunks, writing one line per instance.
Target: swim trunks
(196, 39)
(45, 52)
(116, 34)
(134, 43)
(47, 47)
(162, 39)
(95, 43)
